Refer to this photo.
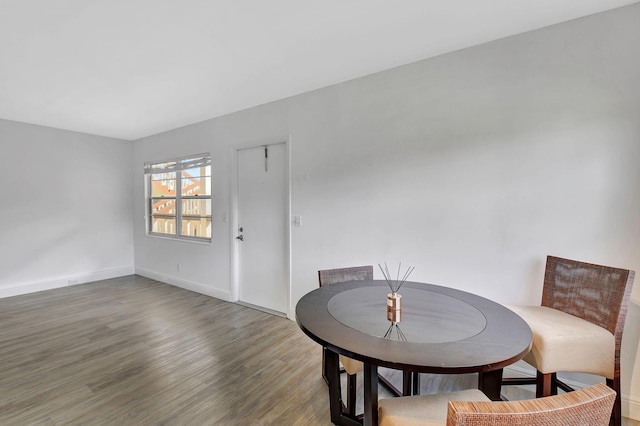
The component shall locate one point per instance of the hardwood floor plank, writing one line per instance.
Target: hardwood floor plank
(138, 352)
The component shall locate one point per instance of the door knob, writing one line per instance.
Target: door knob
(240, 237)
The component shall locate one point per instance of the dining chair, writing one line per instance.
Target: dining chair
(578, 326)
(588, 406)
(351, 366)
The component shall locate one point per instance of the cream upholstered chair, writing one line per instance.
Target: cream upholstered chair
(589, 406)
(351, 366)
(578, 327)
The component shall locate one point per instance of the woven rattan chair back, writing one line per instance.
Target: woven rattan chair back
(354, 273)
(588, 406)
(595, 293)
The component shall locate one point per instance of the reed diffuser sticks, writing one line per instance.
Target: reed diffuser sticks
(396, 284)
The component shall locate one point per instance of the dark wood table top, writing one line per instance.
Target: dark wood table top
(446, 330)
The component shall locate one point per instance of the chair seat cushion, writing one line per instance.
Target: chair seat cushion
(563, 342)
(350, 365)
(422, 410)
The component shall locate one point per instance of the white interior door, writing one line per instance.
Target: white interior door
(262, 222)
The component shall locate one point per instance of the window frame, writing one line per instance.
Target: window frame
(176, 166)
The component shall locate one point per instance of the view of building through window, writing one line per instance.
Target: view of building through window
(183, 213)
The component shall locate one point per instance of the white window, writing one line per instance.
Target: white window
(179, 197)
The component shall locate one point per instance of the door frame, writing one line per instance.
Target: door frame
(233, 225)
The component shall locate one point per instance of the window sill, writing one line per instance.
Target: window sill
(180, 239)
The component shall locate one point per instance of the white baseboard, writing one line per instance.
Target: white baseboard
(631, 406)
(187, 285)
(33, 287)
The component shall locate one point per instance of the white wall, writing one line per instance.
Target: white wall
(65, 208)
(472, 166)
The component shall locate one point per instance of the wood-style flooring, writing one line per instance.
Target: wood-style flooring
(134, 351)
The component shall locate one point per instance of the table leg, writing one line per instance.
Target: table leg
(490, 382)
(332, 372)
(407, 382)
(370, 395)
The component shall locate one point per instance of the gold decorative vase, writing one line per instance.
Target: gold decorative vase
(394, 307)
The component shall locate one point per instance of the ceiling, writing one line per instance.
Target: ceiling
(132, 68)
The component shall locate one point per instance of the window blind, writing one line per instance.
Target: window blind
(199, 160)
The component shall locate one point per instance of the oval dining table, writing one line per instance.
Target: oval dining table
(438, 330)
